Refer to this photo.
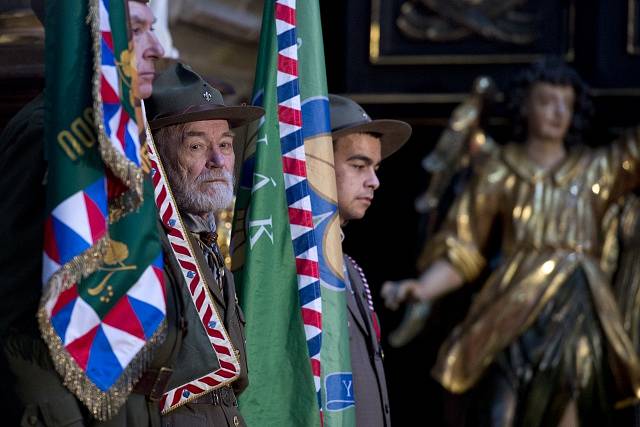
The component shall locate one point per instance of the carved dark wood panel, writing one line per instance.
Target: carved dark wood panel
(373, 47)
(469, 31)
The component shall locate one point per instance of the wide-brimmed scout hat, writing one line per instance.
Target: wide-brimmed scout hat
(180, 95)
(348, 117)
(38, 8)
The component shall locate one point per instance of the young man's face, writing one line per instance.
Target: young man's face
(549, 110)
(357, 158)
(206, 160)
(146, 46)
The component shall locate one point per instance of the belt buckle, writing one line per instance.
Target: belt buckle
(160, 384)
(227, 396)
(224, 396)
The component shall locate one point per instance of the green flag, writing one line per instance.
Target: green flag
(287, 250)
(103, 307)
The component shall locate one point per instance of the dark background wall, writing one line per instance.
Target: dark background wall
(21, 57)
(421, 82)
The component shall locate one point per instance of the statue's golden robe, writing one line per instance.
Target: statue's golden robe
(551, 226)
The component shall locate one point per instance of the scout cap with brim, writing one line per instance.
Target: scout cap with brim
(38, 8)
(180, 95)
(347, 117)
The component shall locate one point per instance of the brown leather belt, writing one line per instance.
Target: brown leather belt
(153, 383)
(221, 396)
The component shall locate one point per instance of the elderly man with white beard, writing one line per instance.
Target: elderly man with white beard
(191, 130)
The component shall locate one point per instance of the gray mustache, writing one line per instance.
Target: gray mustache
(209, 176)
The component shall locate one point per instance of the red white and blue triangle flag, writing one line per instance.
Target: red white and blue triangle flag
(103, 308)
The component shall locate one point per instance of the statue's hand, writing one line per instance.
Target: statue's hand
(413, 322)
(395, 293)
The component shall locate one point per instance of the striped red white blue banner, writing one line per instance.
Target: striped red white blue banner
(296, 184)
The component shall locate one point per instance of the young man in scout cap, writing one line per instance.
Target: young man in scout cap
(32, 391)
(191, 129)
(359, 145)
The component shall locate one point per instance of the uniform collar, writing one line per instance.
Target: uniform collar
(198, 224)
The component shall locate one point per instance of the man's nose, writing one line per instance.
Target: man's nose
(373, 181)
(155, 51)
(215, 158)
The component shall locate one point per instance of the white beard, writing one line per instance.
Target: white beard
(193, 198)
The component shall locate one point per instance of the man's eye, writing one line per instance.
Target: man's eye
(136, 30)
(194, 147)
(358, 166)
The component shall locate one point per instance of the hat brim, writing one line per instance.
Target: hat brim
(236, 115)
(393, 133)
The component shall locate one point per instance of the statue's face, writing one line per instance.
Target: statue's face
(549, 111)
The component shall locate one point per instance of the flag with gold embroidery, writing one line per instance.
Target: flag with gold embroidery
(103, 307)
